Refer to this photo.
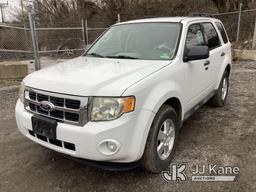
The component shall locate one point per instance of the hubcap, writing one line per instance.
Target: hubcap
(165, 139)
(224, 89)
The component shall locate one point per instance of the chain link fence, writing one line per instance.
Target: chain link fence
(64, 41)
(52, 40)
(15, 43)
(240, 27)
(95, 29)
(70, 40)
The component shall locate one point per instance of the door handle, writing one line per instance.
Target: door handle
(223, 54)
(207, 63)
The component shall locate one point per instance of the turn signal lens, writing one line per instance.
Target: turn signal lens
(129, 104)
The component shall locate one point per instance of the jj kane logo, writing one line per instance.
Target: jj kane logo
(180, 171)
(176, 172)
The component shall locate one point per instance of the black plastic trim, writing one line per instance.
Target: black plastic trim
(109, 166)
(200, 104)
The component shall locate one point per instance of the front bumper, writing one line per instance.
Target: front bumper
(130, 130)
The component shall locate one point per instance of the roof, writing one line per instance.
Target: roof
(157, 19)
(168, 19)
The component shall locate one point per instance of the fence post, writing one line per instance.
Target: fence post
(118, 18)
(239, 22)
(83, 33)
(34, 41)
(254, 36)
(86, 32)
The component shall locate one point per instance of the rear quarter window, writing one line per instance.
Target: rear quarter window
(222, 32)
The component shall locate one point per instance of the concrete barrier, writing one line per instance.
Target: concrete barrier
(9, 70)
(244, 54)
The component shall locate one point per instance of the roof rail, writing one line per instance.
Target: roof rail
(198, 14)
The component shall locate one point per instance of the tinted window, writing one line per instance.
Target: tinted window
(195, 36)
(211, 36)
(222, 32)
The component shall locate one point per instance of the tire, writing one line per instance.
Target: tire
(151, 160)
(219, 100)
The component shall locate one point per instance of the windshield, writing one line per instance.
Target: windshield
(145, 41)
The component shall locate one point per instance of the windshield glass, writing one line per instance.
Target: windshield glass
(146, 41)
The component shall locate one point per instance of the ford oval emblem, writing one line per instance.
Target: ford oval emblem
(47, 106)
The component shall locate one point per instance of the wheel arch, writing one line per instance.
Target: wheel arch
(228, 69)
(175, 103)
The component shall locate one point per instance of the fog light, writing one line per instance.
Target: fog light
(109, 147)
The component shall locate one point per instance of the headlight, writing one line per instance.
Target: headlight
(21, 92)
(106, 108)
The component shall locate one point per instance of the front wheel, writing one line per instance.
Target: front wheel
(161, 142)
(220, 98)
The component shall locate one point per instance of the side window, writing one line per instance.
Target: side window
(222, 32)
(211, 36)
(194, 36)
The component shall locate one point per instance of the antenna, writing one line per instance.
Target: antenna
(2, 6)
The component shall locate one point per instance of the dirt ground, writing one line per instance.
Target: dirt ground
(222, 136)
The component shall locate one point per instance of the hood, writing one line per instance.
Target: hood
(90, 76)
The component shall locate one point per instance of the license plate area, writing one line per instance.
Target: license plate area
(44, 126)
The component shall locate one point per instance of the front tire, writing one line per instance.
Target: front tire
(162, 139)
(220, 98)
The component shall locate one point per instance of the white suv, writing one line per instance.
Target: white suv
(124, 100)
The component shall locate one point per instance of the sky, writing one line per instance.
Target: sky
(13, 5)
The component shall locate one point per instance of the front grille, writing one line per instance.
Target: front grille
(73, 104)
(57, 114)
(58, 101)
(68, 109)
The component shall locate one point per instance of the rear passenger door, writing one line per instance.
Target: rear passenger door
(217, 53)
(226, 45)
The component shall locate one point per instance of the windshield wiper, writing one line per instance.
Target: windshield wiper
(122, 57)
(96, 55)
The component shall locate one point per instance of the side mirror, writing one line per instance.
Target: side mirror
(196, 53)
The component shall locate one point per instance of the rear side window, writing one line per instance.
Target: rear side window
(211, 36)
(222, 32)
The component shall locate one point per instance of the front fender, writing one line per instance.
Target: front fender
(151, 99)
(159, 94)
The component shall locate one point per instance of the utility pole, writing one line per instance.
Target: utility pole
(2, 6)
(24, 20)
(118, 18)
(23, 12)
(34, 40)
(239, 22)
(254, 36)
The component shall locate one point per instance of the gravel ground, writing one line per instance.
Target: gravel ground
(222, 136)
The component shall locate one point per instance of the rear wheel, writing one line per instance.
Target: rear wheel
(161, 142)
(220, 98)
